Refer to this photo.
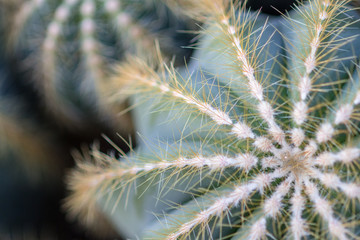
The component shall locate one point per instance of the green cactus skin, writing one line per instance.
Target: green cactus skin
(72, 45)
(258, 138)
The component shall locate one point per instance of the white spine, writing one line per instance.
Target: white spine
(325, 132)
(297, 223)
(310, 63)
(273, 204)
(324, 209)
(256, 90)
(331, 180)
(223, 204)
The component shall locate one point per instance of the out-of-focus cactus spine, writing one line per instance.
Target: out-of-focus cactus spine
(269, 133)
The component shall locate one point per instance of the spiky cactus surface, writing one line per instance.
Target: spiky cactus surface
(70, 46)
(258, 138)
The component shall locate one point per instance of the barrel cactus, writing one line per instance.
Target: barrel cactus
(257, 138)
(70, 46)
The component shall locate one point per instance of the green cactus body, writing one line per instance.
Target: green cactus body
(73, 44)
(258, 138)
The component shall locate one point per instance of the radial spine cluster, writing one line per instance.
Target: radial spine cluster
(282, 155)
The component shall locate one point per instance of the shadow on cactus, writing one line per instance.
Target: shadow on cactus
(258, 138)
(72, 45)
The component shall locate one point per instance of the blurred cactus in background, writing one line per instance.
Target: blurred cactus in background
(257, 138)
(70, 46)
(60, 54)
(33, 155)
(22, 138)
(31, 163)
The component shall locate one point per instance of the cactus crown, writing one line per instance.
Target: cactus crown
(261, 138)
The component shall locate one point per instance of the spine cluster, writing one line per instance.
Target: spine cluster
(275, 163)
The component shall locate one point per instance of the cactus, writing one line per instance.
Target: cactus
(25, 144)
(70, 47)
(257, 138)
(31, 162)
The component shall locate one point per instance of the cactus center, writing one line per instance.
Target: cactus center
(295, 161)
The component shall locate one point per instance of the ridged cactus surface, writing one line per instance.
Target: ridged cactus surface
(70, 47)
(258, 138)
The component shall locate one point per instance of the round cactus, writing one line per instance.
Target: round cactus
(258, 138)
(71, 46)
